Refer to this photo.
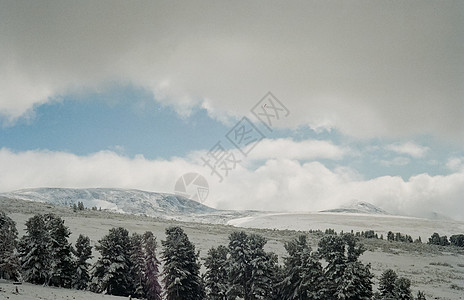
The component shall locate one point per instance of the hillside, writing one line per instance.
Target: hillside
(118, 200)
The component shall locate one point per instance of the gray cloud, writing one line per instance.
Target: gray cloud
(366, 68)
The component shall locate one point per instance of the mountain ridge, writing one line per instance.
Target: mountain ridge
(359, 207)
(130, 201)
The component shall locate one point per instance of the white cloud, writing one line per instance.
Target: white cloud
(328, 62)
(409, 148)
(455, 164)
(103, 169)
(303, 150)
(277, 184)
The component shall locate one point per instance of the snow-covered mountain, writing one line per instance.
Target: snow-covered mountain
(119, 200)
(359, 207)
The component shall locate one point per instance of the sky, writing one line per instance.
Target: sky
(279, 105)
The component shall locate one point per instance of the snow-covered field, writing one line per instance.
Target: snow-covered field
(439, 271)
(27, 291)
(347, 221)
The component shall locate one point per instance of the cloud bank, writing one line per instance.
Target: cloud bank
(368, 69)
(277, 184)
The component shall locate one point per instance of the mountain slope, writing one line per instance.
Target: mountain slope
(119, 200)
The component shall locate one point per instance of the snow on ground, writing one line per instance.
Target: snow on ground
(347, 221)
(27, 291)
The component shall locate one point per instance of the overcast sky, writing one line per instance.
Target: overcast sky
(134, 94)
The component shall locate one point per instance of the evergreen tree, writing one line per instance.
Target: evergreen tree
(152, 286)
(83, 252)
(387, 284)
(138, 265)
(181, 272)
(457, 240)
(444, 241)
(264, 269)
(346, 277)
(80, 206)
(9, 260)
(403, 289)
(434, 239)
(112, 270)
(420, 296)
(252, 271)
(303, 274)
(34, 251)
(62, 265)
(390, 236)
(216, 280)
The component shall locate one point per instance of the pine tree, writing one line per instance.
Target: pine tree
(387, 284)
(181, 272)
(34, 251)
(390, 236)
(83, 252)
(403, 289)
(264, 268)
(62, 265)
(303, 274)
(346, 277)
(152, 286)
(457, 240)
(252, 271)
(434, 239)
(9, 260)
(137, 265)
(216, 280)
(112, 270)
(239, 268)
(356, 283)
(420, 296)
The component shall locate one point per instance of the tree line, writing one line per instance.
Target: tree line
(128, 265)
(455, 240)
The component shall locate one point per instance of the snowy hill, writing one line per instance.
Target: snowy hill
(119, 200)
(359, 207)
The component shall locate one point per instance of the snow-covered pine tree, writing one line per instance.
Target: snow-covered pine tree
(346, 277)
(264, 269)
(152, 286)
(112, 270)
(332, 249)
(9, 260)
(302, 273)
(356, 283)
(62, 264)
(216, 279)
(34, 251)
(137, 257)
(239, 270)
(387, 284)
(83, 252)
(251, 271)
(181, 272)
(403, 289)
